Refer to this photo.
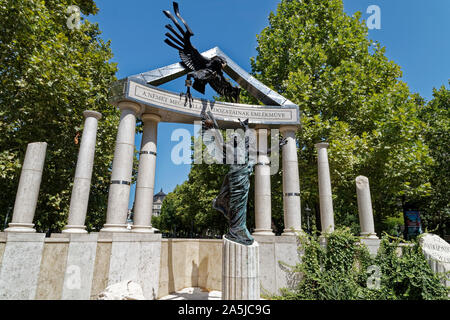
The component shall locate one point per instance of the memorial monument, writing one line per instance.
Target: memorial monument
(77, 265)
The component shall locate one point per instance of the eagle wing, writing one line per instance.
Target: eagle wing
(223, 87)
(190, 57)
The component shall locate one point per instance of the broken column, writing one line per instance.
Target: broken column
(28, 190)
(365, 208)
(83, 174)
(325, 196)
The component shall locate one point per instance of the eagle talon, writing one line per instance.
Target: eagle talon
(187, 98)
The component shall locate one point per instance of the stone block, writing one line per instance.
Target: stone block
(20, 267)
(136, 257)
(80, 267)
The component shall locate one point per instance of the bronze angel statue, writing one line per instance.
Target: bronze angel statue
(203, 70)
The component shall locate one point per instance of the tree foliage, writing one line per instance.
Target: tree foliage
(436, 115)
(50, 74)
(344, 270)
(350, 95)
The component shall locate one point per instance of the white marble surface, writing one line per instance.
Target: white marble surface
(80, 267)
(325, 196)
(28, 189)
(143, 206)
(20, 266)
(83, 174)
(437, 252)
(291, 183)
(365, 207)
(240, 271)
(119, 194)
(138, 261)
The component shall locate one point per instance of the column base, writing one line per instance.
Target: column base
(74, 229)
(291, 232)
(263, 232)
(115, 228)
(368, 235)
(20, 227)
(143, 229)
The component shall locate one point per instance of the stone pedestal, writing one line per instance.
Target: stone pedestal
(20, 266)
(119, 190)
(240, 271)
(83, 174)
(365, 208)
(325, 196)
(142, 221)
(135, 257)
(291, 183)
(263, 201)
(28, 190)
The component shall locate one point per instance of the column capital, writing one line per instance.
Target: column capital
(288, 128)
(150, 117)
(93, 114)
(129, 105)
(321, 145)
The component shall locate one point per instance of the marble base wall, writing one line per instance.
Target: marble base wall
(20, 266)
(136, 257)
(56, 265)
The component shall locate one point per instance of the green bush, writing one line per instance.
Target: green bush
(344, 270)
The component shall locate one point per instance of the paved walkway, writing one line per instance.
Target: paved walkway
(193, 294)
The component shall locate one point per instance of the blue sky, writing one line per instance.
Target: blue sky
(416, 34)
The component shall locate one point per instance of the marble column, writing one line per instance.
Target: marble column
(83, 174)
(291, 183)
(240, 271)
(28, 190)
(263, 204)
(142, 221)
(325, 197)
(365, 208)
(119, 190)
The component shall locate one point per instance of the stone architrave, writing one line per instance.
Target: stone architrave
(365, 208)
(263, 202)
(19, 270)
(291, 183)
(83, 174)
(119, 190)
(28, 190)
(146, 175)
(437, 252)
(240, 271)
(325, 196)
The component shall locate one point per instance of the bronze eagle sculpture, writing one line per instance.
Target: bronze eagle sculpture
(203, 70)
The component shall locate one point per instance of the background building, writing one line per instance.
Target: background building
(157, 202)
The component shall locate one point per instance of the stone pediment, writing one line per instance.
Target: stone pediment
(142, 88)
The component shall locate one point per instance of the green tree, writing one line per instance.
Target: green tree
(320, 58)
(436, 115)
(50, 74)
(344, 270)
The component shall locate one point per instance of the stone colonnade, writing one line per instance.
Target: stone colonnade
(119, 190)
